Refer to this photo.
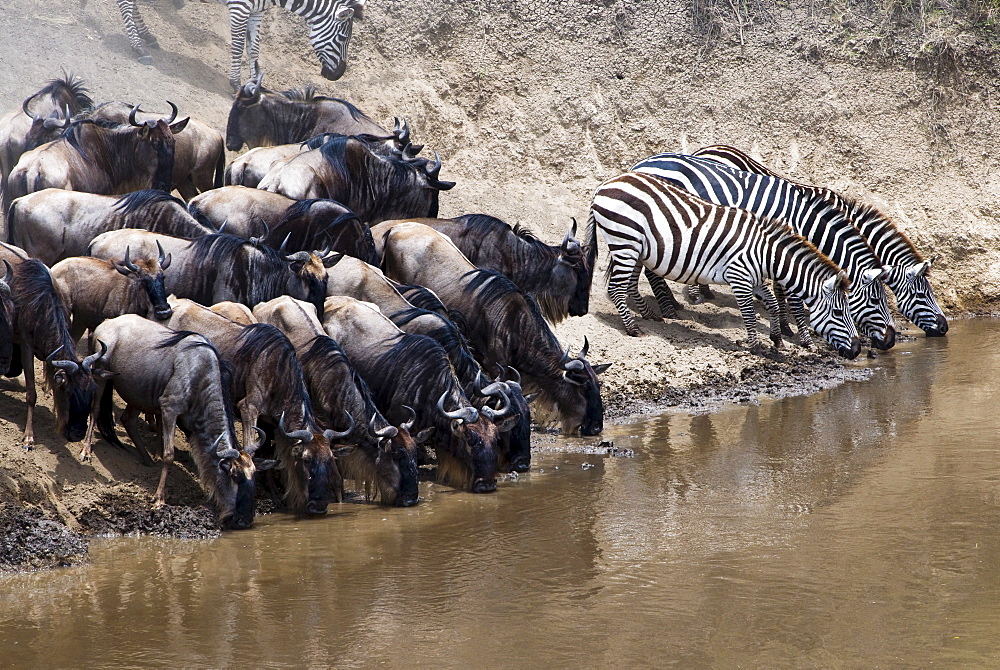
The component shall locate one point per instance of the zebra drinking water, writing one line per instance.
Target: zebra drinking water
(907, 269)
(815, 219)
(648, 222)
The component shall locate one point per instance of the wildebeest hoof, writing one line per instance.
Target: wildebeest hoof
(159, 504)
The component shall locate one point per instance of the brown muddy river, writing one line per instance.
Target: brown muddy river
(858, 527)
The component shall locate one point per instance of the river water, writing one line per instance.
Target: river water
(857, 527)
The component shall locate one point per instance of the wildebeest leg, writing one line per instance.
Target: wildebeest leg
(129, 13)
(28, 363)
(130, 421)
(248, 417)
(664, 296)
(87, 453)
(169, 425)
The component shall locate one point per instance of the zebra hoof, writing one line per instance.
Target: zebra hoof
(146, 60)
(179, 4)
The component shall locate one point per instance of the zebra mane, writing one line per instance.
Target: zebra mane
(860, 210)
(778, 227)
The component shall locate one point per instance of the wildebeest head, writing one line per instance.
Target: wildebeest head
(229, 477)
(158, 135)
(471, 463)
(316, 223)
(73, 390)
(578, 260)
(148, 273)
(6, 318)
(388, 466)
(51, 108)
(514, 423)
(311, 472)
(578, 397)
(309, 276)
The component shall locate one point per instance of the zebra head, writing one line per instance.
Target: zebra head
(830, 316)
(915, 298)
(867, 301)
(330, 35)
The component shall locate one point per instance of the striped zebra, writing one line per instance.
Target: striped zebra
(907, 269)
(648, 222)
(330, 24)
(815, 219)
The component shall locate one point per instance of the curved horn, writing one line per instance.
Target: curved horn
(575, 365)
(298, 256)
(408, 425)
(495, 389)
(432, 171)
(494, 414)
(223, 452)
(10, 273)
(565, 357)
(300, 435)
(24, 108)
(570, 234)
(222, 228)
(586, 348)
(93, 358)
(261, 439)
(164, 259)
(69, 366)
(129, 264)
(404, 138)
(467, 414)
(284, 243)
(387, 432)
(173, 114)
(516, 378)
(332, 435)
(131, 117)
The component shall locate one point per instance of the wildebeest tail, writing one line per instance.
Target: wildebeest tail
(11, 215)
(106, 416)
(197, 215)
(13, 189)
(221, 173)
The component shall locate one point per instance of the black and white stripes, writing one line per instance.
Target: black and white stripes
(330, 23)
(648, 222)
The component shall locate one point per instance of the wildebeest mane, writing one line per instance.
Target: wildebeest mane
(40, 311)
(415, 367)
(325, 359)
(261, 341)
(422, 297)
(256, 273)
(448, 336)
(69, 90)
(131, 202)
(345, 233)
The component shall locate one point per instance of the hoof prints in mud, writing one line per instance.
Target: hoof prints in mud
(121, 515)
(30, 541)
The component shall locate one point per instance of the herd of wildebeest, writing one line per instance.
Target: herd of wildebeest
(307, 289)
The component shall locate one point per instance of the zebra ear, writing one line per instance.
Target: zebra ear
(920, 269)
(344, 14)
(873, 274)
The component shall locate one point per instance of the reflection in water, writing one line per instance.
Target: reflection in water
(855, 527)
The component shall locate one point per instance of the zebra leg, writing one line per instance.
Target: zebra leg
(782, 298)
(645, 311)
(743, 289)
(771, 303)
(143, 31)
(238, 19)
(801, 320)
(253, 43)
(664, 296)
(129, 13)
(692, 293)
(619, 277)
(706, 292)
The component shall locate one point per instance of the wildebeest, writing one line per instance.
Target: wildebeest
(354, 278)
(100, 157)
(294, 225)
(54, 224)
(234, 311)
(385, 459)
(250, 168)
(414, 371)
(143, 244)
(199, 152)
(358, 173)
(261, 117)
(268, 387)
(558, 277)
(40, 119)
(42, 331)
(179, 376)
(222, 267)
(95, 290)
(504, 325)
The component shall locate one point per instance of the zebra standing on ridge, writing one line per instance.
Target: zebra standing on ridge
(648, 222)
(907, 269)
(330, 24)
(814, 219)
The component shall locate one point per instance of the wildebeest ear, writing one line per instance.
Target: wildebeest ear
(598, 369)
(423, 435)
(343, 451)
(105, 374)
(507, 423)
(179, 125)
(332, 259)
(264, 464)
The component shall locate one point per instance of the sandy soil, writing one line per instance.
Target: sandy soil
(532, 105)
